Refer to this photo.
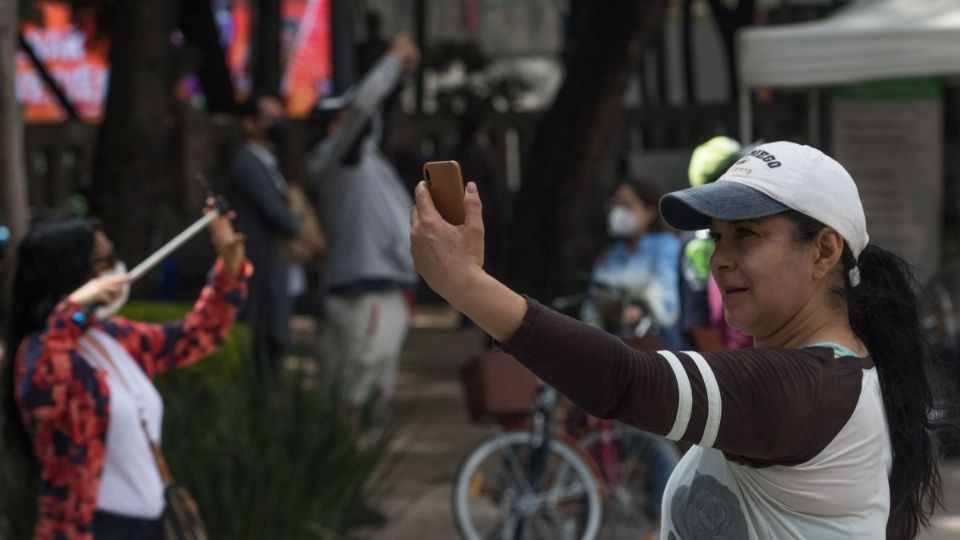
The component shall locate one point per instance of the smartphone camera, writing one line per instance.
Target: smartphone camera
(426, 173)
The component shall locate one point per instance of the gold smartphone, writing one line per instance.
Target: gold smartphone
(445, 184)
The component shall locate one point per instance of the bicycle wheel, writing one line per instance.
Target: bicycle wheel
(624, 464)
(493, 497)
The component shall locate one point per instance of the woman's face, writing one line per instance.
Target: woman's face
(103, 257)
(765, 276)
(626, 198)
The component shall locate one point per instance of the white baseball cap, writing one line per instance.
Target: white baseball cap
(773, 178)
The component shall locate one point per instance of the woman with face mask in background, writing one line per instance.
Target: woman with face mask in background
(78, 395)
(641, 263)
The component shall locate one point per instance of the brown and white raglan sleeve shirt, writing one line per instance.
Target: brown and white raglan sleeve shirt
(790, 443)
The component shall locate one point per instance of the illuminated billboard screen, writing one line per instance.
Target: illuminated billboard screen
(306, 47)
(79, 63)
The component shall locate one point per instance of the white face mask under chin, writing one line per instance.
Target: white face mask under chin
(621, 223)
(108, 310)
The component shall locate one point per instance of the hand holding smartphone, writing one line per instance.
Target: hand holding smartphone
(445, 184)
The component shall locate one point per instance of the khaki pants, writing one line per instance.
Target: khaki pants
(362, 343)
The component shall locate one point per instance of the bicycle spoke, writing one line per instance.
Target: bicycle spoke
(515, 466)
(557, 519)
(503, 529)
(538, 525)
(509, 476)
(561, 493)
(516, 531)
(565, 472)
(509, 527)
(562, 477)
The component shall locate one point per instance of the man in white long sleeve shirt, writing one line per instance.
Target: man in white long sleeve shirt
(366, 208)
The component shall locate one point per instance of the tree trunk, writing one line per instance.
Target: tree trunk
(689, 67)
(344, 46)
(266, 71)
(729, 20)
(200, 29)
(136, 171)
(13, 170)
(573, 141)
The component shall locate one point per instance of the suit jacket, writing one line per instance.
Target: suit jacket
(264, 218)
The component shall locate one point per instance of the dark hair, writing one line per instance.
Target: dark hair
(252, 107)
(53, 260)
(320, 119)
(649, 194)
(884, 314)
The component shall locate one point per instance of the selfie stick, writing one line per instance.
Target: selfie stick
(220, 207)
(171, 246)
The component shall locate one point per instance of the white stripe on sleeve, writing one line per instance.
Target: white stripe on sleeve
(684, 394)
(714, 405)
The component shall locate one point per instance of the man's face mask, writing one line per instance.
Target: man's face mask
(621, 223)
(277, 133)
(111, 309)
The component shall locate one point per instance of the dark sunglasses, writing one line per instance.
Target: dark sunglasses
(107, 260)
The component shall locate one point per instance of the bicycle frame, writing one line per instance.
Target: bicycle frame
(610, 454)
(542, 426)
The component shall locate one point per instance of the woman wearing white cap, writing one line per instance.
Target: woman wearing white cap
(819, 432)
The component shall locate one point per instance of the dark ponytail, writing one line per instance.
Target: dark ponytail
(884, 314)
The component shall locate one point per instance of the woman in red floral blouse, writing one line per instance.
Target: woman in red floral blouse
(79, 394)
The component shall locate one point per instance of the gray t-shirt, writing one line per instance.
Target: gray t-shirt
(365, 207)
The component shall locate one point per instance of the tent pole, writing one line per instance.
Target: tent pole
(746, 115)
(813, 117)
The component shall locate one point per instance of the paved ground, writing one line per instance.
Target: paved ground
(433, 434)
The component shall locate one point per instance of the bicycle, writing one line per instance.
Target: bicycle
(529, 484)
(544, 483)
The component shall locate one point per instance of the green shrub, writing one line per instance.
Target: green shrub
(263, 460)
(270, 461)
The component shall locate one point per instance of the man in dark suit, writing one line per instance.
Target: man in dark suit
(257, 191)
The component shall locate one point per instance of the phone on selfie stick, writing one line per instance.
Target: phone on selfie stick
(219, 203)
(445, 184)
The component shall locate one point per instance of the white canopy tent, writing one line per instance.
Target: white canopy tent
(893, 148)
(868, 40)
